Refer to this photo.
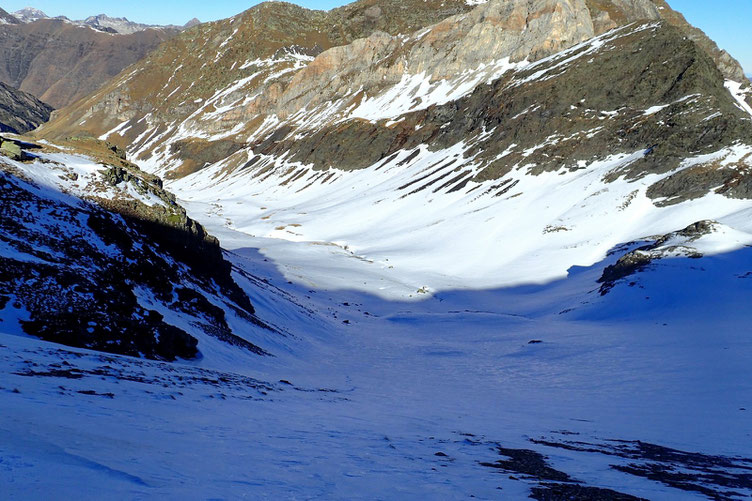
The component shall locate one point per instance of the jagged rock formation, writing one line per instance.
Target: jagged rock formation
(98, 255)
(21, 112)
(59, 62)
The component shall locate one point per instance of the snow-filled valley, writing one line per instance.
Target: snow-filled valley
(388, 393)
(506, 255)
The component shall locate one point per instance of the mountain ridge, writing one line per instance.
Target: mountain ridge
(114, 259)
(100, 22)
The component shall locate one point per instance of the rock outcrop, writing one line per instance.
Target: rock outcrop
(676, 244)
(98, 255)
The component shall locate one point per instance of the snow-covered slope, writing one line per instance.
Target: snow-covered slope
(95, 254)
(510, 251)
(490, 394)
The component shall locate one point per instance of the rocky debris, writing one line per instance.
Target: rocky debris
(672, 244)
(527, 462)
(560, 492)
(21, 112)
(717, 477)
(552, 484)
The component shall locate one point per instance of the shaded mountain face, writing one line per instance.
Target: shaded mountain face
(95, 254)
(21, 112)
(59, 62)
(6, 18)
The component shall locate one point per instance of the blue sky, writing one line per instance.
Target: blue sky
(728, 22)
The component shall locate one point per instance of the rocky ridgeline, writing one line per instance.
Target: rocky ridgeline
(96, 259)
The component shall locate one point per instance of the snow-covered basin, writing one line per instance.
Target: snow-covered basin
(411, 378)
(665, 361)
(398, 243)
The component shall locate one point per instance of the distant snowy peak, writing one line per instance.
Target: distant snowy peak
(29, 15)
(121, 25)
(101, 22)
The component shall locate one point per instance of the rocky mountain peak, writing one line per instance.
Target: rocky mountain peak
(29, 15)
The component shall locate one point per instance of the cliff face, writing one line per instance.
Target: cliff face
(21, 112)
(59, 62)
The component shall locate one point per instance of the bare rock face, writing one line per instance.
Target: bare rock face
(261, 34)
(514, 30)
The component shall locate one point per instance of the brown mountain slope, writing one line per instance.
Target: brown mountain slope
(60, 63)
(609, 13)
